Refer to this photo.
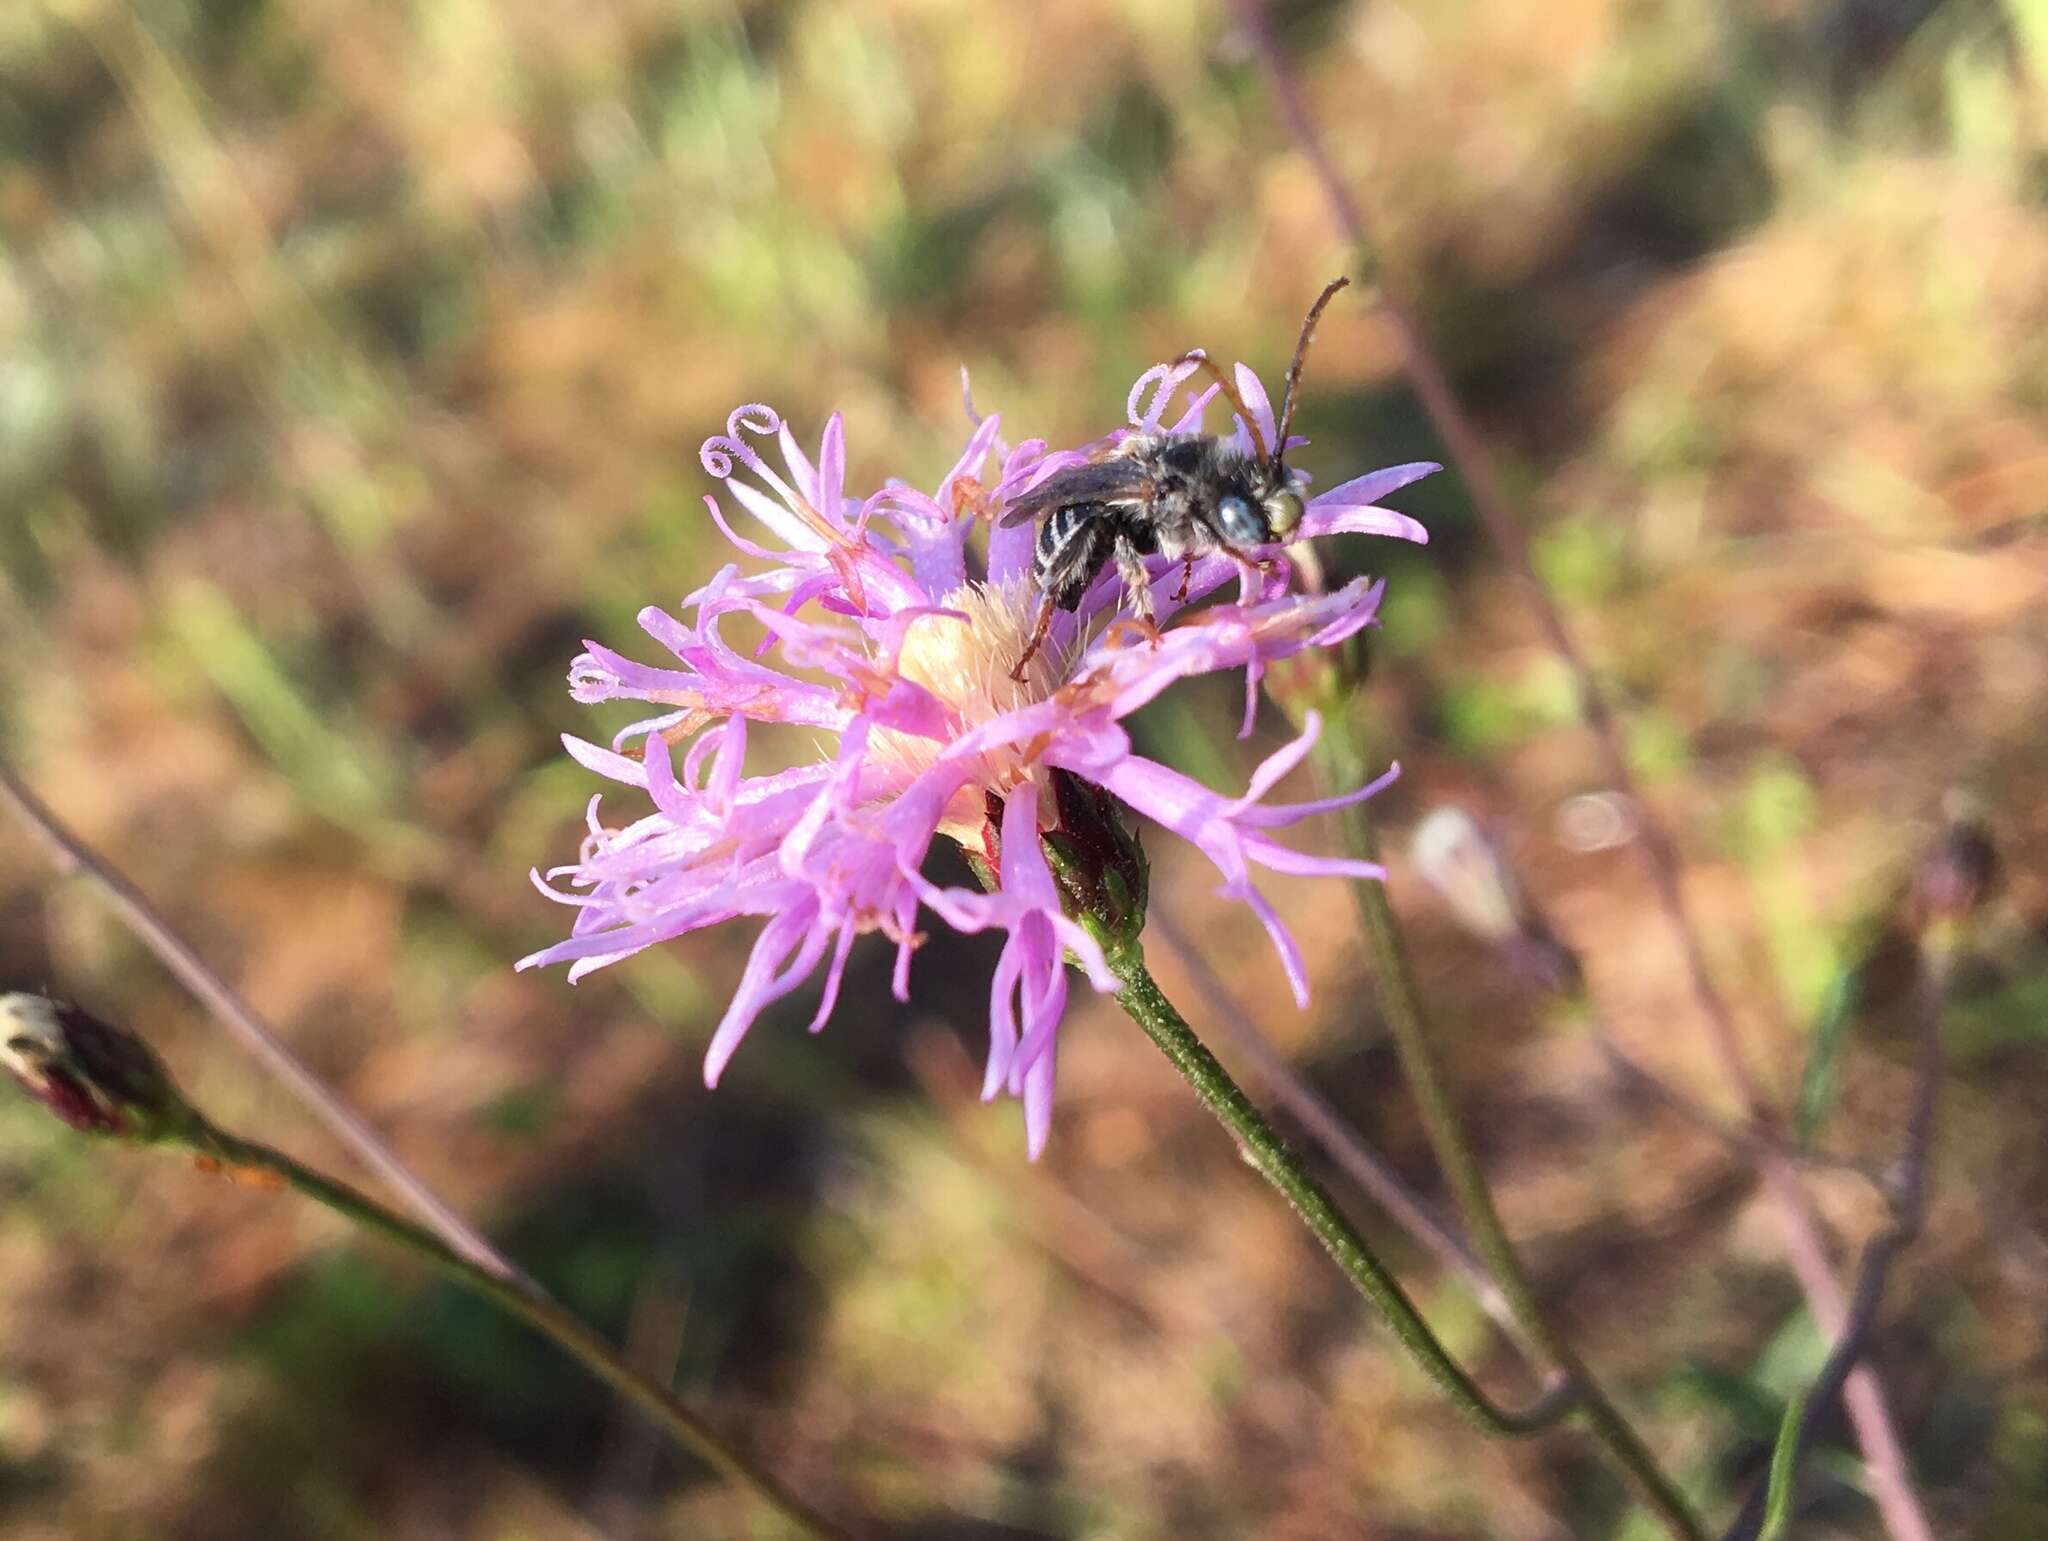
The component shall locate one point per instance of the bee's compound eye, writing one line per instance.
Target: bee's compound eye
(1283, 511)
(1240, 526)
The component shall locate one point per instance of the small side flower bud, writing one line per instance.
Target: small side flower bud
(1471, 874)
(1957, 873)
(98, 1078)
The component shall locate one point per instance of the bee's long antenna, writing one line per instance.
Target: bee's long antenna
(1308, 330)
(1229, 388)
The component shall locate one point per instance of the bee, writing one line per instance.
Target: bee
(1177, 495)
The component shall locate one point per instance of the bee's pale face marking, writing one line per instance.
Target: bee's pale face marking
(1283, 511)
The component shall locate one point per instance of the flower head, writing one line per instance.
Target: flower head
(877, 633)
(1957, 874)
(98, 1078)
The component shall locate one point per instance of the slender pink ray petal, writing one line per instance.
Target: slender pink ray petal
(1038, 1088)
(1261, 409)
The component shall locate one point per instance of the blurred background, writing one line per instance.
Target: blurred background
(353, 363)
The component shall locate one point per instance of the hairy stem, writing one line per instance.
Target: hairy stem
(1904, 1516)
(1402, 1007)
(1150, 1009)
(537, 1309)
(1326, 1126)
(72, 856)
(1767, 1512)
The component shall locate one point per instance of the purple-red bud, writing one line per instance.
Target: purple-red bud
(98, 1078)
(1094, 855)
(1957, 873)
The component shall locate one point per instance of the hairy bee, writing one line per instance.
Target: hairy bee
(1180, 496)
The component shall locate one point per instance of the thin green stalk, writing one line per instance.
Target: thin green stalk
(1909, 1213)
(538, 1310)
(1150, 1009)
(1402, 1006)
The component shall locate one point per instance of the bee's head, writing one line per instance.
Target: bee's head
(1265, 508)
(1283, 508)
(1265, 503)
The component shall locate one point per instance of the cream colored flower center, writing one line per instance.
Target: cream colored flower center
(967, 664)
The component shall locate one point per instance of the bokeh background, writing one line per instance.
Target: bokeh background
(353, 360)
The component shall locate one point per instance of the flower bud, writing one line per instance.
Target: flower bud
(1104, 878)
(1957, 873)
(1471, 874)
(98, 1078)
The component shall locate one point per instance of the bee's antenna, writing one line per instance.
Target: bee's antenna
(1308, 330)
(1229, 388)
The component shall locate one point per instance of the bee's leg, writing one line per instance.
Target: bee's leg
(1187, 576)
(1038, 635)
(1130, 563)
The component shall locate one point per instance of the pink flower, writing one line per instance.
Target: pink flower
(876, 635)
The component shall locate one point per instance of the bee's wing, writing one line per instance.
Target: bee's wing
(1118, 479)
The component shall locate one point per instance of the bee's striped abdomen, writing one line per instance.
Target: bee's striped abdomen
(1054, 536)
(1072, 546)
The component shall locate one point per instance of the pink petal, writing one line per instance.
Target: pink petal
(1293, 813)
(833, 974)
(801, 471)
(1254, 393)
(1009, 553)
(765, 980)
(1025, 875)
(1282, 858)
(829, 496)
(778, 516)
(1283, 939)
(617, 766)
(748, 547)
(1038, 1090)
(1190, 421)
(1362, 521)
(1002, 1022)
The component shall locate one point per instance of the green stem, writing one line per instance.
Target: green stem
(538, 1310)
(1401, 1004)
(1141, 997)
(1909, 1213)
